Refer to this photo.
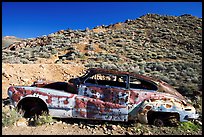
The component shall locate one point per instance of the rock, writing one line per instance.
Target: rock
(147, 133)
(88, 127)
(59, 122)
(75, 124)
(114, 127)
(64, 123)
(21, 122)
(26, 80)
(103, 127)
(93, 132)
(128, 133)
(65, 127)
(5, 74)
(109, 127)
(108, 132)
(81, 126)
(198, 122)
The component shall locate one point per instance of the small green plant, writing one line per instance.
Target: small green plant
(44, 119)
(9, 117)
(189, 126)
(82, 56)
(54, 51)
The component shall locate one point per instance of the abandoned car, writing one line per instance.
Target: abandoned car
(103, 94)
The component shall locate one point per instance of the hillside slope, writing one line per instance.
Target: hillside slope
(164, 47)
(8, 40)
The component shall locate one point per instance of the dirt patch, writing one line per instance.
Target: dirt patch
(26, 74)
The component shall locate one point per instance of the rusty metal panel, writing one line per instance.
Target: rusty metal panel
(107, 103)
(96, 109)
(114, 95)
(104, 102)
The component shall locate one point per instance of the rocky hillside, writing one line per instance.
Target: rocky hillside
(167, 47)
(8, 40)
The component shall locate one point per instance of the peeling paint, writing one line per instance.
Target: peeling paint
(106, 95)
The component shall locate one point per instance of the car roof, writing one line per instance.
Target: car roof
(116, 72)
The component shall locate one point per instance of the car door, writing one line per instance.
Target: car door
(104, 97)
(140, 90)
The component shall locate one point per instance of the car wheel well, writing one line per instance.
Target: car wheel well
(31, 106)
(168, 118)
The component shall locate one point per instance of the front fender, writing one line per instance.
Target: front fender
(167, 105)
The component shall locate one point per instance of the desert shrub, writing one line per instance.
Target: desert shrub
(190, 72)
(24, 61)
(155, 40)
(63, 48)
(21, 51)
(9, 117)
(26, 52)
(103, 46)
(13, 60)
(111, 58)
(188, 126)
(178, 66)
(44, 55)
(27, 56)
(36, 49)
(172, 69)
(141, 72)
(20, 54)
(160, 67)
(159, 56)
(134, 70)
(99, 57)
(44, 119)
(134, 57)
(108, 66)
(90, 65)
(173, 82)
(154, 55)
(165, 79)
(32, 59)
(72, 56)
(89, 47)
(54, 51)
(147, 70)
(171, 56)
(188, 89)
(194, 80)
(81, 55)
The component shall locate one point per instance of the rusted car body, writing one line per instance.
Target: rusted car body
(104, 95)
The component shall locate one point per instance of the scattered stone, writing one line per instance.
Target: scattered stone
(5, 74)
(128, 133)
(198, 122)
(88, 127)
(114, 127)
(22, 122)
(93, 132)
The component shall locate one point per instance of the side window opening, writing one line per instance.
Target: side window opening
(107, 80)
(136, 83)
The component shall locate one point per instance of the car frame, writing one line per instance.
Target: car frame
(103, 94)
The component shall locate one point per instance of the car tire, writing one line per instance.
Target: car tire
(159, 122)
